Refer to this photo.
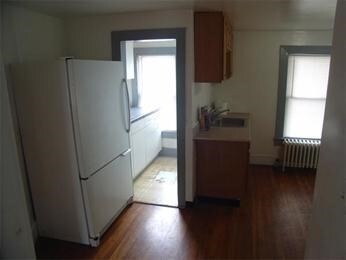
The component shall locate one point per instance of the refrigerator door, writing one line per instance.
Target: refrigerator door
(107, 193)
(100, 112)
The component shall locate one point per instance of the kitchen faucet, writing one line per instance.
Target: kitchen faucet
(215, 114)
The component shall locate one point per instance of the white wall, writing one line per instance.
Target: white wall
(327, 234)
(16, 240)
(90, 38)
(28, 36)
(253, 86)
(31, 36)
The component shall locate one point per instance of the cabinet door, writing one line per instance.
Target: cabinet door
(208, 42)
(222, 168)
(227, 60)
(145, 142)
(138, 141)
(153, 144)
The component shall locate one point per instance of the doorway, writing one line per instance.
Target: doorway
(155, 72)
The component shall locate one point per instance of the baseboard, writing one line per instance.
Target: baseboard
(189, 204)
(262, 159)
(200, 200)
(168, 152)
(169, 134)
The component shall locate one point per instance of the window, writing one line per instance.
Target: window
(302, 93)
(156, 86)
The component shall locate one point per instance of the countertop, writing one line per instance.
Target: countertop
(233, 134)
(138, 113)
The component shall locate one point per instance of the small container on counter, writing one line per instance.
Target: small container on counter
(204, 118)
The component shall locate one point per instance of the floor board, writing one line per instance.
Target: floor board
(271, 223)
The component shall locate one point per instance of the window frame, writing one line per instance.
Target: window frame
(285, 52)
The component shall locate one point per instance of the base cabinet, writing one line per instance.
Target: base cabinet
(145, 141)
(138, 146)
(153, 143)
(222, 168)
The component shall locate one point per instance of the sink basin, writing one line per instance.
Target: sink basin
(230, 122)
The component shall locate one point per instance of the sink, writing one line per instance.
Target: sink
(230, 122)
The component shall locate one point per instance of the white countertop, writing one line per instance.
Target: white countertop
(233, 134)
(138, 113)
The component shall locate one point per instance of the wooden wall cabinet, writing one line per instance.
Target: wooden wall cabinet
(222, 168)
(213, 47)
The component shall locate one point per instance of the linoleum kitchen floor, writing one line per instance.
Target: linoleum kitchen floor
(158, 183)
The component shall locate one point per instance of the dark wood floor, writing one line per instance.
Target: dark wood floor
(271, 223)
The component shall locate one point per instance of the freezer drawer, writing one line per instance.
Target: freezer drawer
(106, 194)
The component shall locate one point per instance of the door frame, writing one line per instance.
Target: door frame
(179, 35)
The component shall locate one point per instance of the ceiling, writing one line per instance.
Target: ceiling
(244, 14)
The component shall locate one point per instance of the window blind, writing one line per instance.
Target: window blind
(307, 81)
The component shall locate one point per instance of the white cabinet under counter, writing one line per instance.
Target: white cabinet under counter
(145, 139)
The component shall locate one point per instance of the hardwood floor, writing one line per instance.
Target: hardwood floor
(271, 223)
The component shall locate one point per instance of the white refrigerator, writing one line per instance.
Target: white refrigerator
(74, 122)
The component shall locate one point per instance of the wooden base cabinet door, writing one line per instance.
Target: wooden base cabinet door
(222, 168)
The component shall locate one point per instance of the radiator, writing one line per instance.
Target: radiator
(300, 153)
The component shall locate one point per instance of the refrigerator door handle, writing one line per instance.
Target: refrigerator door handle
(126, 153)
(128, 129)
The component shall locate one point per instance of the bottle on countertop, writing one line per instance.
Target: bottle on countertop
(204, 118)
(201, 119)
